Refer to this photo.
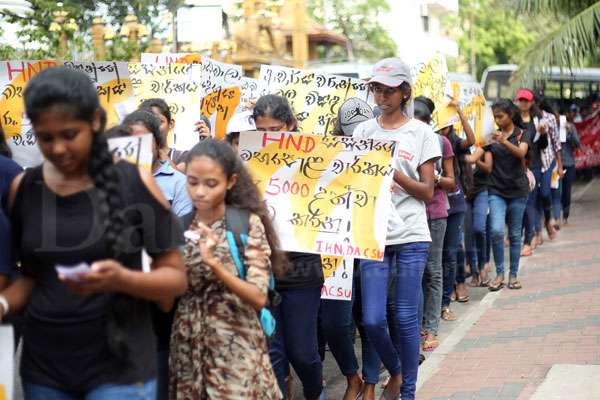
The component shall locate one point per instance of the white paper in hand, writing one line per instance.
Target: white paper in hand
(191, 235)
(73, 272)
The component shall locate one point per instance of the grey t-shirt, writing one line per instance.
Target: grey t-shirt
(416, 144)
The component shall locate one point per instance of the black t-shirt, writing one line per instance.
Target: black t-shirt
(304, 271)
(508, 178)
(8, 170)
(480, 182)
(66, 336)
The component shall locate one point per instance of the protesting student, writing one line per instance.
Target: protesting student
(437, 214)
(508, 189)
(568, 157)
(295, 340)
(218, 347)
(336, 326)
(172, 183)
(8, 171)
(454, 274)
(408, 238)
(476, 218)
(80, 223)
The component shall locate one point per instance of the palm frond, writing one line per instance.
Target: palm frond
(566, 46)
(556, 7)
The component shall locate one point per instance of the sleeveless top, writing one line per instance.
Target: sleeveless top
(68, 338)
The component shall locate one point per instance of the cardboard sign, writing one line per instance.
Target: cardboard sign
(14, 76)
(134, 149)
(430, 79)
(338, 273)
(113, 84)
(328, 195)
(474, 107)
(6, 361)
(179, 86)
(171, 58)
(221, 93)
(249, 91)
(315, 98)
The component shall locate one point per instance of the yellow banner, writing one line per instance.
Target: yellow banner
(328, 195)
(430, 79)
(315, 98)
(338, 273)
(133, 149)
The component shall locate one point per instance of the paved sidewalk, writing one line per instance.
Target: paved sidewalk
(507, 345)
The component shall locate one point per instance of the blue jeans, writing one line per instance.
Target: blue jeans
(433, 285)
(370, 358)
(141, 391)
(506, 211)
(450, 254)
(397, 347)
(335, 321)
(475, 232)
(567, 187)
(539, 203)
(295, 340)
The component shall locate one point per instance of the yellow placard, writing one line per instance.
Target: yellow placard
(224, 103)
(329, 195)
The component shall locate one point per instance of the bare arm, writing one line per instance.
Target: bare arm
(421, 189)
(17, 295)
(470, 140)
(487, 164)
(473, 157)
(519, 151)
(447, 182)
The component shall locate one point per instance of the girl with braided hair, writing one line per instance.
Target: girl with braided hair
(87, 335)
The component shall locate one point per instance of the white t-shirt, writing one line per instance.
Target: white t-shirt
(416, 144)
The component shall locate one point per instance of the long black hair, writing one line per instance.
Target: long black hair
(244, 194)
(149, 121)
(276, 107)
(507, 106)
(72, 91)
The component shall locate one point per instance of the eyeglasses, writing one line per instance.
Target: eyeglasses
(388, 91)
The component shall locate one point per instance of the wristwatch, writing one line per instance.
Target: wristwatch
(437, 179)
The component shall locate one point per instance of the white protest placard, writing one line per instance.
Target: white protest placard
(338, 273)
(249, 91)
(314, 97)
(179, 86)
(134, 149)
(7, 356)
(328, 195)
(562, 130)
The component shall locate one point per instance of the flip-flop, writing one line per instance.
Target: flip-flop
(485, 283)
(431, 345)
(464, 299)
(386, 396)
(515, 285)
(496, 287)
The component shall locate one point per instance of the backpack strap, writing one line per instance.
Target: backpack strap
(237, 224)
(238, 227)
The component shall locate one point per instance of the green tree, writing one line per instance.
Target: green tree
(358, 21)
(488, 32)
(35, 26)
(574, 35)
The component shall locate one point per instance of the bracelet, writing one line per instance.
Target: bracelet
(4, 304)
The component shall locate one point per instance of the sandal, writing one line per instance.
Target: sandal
(485, 283)
(447, 314)
(496, 286)
(515, 285)
(526, 251)
(431, 343)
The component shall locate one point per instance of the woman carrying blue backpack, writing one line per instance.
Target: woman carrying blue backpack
(218, 346)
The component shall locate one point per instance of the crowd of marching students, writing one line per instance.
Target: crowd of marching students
(207, 321)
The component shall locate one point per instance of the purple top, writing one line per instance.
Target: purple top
(438, 206)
